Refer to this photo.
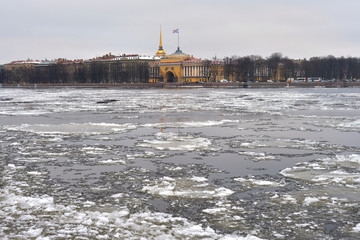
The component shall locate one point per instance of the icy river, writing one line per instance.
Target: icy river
(180, 163)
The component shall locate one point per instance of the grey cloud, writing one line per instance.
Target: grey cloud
(81, 29)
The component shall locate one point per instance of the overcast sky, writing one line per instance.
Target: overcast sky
(39, 29)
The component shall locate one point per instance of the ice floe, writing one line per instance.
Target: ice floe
(342, 169)
(302, 144)
(259, 182)
(92, 223)
(258, 156)
(355, 124)
(178, 142)
(356, 228)
(41, 217)
(74, 128)
(191, 124)
(195, 187)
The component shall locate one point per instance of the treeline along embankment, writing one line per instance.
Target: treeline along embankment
(336, 84)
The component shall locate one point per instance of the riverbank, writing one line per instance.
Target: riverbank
(191, 85)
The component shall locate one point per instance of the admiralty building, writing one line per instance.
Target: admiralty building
(182, 67)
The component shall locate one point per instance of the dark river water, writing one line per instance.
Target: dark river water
(180, 164)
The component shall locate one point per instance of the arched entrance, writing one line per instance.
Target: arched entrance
(170, 77)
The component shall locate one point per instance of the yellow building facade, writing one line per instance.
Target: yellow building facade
(182, 67)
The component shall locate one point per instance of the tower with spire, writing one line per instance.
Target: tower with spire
(160, 52)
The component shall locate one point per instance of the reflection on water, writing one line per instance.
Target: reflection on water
(180, 164)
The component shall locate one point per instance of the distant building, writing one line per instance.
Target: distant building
(2, 74)
(182, 67)
(22, 64)
(108, 69)
(20, 72)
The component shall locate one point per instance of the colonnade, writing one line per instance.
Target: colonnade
(155, 72)
(194, 71)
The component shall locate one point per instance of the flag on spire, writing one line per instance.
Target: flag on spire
(177, 31)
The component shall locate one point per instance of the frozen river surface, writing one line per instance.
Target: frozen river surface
(180, 164)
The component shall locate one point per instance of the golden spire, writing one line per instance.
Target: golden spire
(160, 45)
(160, 52)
